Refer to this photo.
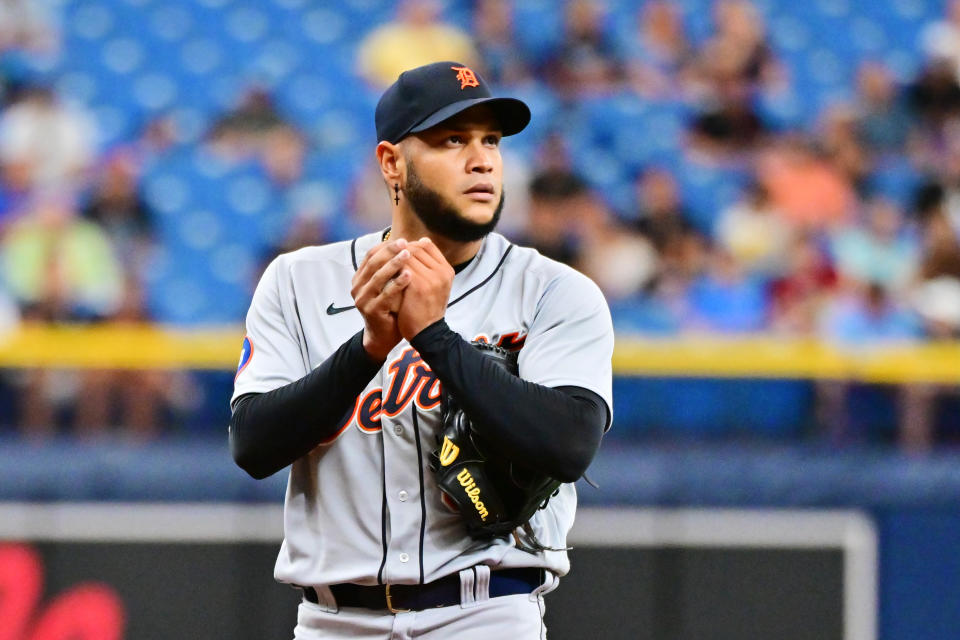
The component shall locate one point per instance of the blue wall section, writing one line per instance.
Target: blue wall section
(711, 407)
(920, 573)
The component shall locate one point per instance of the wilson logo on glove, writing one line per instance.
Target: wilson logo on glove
(473, 492)
(448, 452)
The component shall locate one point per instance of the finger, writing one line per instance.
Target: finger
(389, 270)
(381, 253)
(418, 268)
(432, 250)
(391, 297)
(428, 263)
(423, 253)
(375, 259)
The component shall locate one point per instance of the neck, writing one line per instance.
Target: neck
(408, 226)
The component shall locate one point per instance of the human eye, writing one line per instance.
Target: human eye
(455, 139)
(492, 140)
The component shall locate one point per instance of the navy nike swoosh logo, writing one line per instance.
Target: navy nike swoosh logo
(332, 310)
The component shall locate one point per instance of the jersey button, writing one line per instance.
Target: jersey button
(397, 429)
(402, 495)
(404, 557)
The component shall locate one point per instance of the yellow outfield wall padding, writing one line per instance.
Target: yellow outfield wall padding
(119, 346)
(122, 346)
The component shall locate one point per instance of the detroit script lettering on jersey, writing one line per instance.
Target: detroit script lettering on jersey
(411, 380)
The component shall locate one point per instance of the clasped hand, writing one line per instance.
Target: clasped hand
(400, 288)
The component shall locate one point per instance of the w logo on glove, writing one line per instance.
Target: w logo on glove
(448, 452)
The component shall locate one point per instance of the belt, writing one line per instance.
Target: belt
(398, 598)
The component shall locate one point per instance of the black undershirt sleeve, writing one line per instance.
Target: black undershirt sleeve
(268, 431)
(554, 430)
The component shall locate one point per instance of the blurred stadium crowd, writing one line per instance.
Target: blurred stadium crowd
(717, 166)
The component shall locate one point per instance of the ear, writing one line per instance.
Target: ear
(392, 165)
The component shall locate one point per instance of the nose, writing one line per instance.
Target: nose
(479, 160)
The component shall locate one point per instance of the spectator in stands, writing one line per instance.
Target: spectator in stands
(937, 303)
(933, 100)
(661, 216)
(660, 54)
(64, 268)
(876, 249)
(115, 204)
(256, 130)
(242, 131)
(60, 266)
(283, 154)
(754, 233)
(798, 296)
(622, 262)
(729, 69)
(493, 33)
(555, 195)
(682, 263)
(727, 125)
(683, 252)
(935, 95)
(867, 314)
(416, 37)
(942, 191)
(28, 25)
(941, 39)
(725, 299)
(883, 121)
(938, 276)
(553, 153)
(51, 143)
(739, 45)
(588, 61)
(839, 143)
(805, 186)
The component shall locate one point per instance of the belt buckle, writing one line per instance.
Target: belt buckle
(390, 603)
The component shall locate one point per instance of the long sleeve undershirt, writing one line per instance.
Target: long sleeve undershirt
(270, 430)
(556, 431)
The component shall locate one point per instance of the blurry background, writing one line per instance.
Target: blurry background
(767, 192)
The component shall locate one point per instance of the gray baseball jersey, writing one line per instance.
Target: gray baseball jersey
(362, 507)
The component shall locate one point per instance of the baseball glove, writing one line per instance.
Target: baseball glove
(494, 496)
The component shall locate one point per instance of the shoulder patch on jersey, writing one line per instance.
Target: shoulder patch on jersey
(246, 353)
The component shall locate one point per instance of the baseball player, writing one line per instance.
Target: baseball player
(350, 349)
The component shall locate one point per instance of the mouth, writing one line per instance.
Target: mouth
(482, 192)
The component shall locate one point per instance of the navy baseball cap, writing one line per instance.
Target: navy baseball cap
(428, 95)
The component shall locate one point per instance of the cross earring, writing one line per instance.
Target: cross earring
(396, 192)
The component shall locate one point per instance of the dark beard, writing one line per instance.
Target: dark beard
(442, 218)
